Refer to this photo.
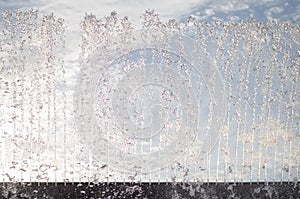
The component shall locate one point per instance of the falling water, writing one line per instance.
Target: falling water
(31, 63)
(169, 102)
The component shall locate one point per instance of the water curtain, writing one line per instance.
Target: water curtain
(165, 102)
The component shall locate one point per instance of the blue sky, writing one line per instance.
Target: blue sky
(73, 12)
(284, 10)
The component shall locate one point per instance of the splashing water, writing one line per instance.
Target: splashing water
(192, 101)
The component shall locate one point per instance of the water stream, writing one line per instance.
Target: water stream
(165, 102)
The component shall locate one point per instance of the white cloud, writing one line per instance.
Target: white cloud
(209, 12)
(227, 6)
(274, 10)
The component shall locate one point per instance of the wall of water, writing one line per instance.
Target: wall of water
(169, 101)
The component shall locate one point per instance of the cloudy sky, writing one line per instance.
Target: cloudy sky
(74, 11)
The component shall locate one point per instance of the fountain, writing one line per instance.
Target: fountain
(167, 102)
